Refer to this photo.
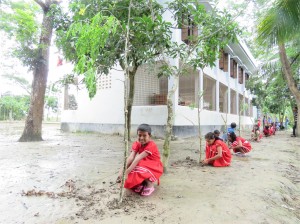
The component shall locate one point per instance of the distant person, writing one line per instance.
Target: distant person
(269, 120)
(217, 152)
(267, 131)
(286, 123)
(258, 123)
(239, 144)
(256, 135)
(143, 164)
(217, 135)
(229, 129)
(295, 113)
(272, 128)
(265, 122)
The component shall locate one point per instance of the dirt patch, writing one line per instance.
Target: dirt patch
(70, 178)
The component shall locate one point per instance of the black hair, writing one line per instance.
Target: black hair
(144, 127)
(233, 125)
(210, 136)
(232, 136)
(217, 132)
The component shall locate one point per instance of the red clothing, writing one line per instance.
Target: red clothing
(245, 144)
(272, 130)
(257, 135)
(149, 167)
(211, 151)
(266, 132)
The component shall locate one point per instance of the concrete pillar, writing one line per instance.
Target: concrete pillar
(217, 90)
(228, 84)
(236, 88)
(201, 88)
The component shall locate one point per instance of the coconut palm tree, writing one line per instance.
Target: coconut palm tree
(279, 27)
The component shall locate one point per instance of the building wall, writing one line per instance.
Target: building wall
(105, 112)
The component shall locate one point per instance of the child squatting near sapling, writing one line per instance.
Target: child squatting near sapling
(144, 166)
(217, 152)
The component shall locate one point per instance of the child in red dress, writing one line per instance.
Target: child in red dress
(266, 131)
(256, 135)
(143, 164)
(239, 144)
(217, 152)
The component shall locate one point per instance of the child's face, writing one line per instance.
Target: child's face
(210, 141)
(143, 137)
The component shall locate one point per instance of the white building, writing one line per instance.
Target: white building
(224, 97)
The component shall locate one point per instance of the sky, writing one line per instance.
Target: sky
(9, 65)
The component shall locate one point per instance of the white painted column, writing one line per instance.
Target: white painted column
(236, 89)
(244, 91)
(201, 88)
(228, 84)
(217, 89)
(176, 36)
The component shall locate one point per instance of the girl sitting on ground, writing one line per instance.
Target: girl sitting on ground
(256, 135)
(239, 144)
(143, 164)
(266, 131)
(217, 152)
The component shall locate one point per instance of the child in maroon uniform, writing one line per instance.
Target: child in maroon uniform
(143, 164)
(217, 152)
(239, 144)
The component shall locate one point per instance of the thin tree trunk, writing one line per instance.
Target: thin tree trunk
(126, 102)
(200, 95)
(33, 123)
(287, 72)
(130, 99)
(169, 126)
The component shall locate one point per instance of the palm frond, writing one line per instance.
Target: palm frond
(280, 23)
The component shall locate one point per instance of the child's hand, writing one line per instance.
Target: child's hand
(119, 179)
(204, 162)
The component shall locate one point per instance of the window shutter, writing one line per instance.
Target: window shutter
(241, 75)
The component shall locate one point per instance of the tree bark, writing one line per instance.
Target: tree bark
(33, 123)
(287, 72)
(130, 98)
(169, 125)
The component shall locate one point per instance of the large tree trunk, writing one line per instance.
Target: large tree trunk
(169, 126)
(287, 72)
(33, 123)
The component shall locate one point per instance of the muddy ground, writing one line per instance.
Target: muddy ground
(69, 178)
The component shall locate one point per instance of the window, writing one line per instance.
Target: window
(233, 68)
(242, 105)
(188, 89)
(223, 61)
(246, 76)
(223, 98)
(209, 93)
(241, 78)
(189, 30)
(247, 108)
(233, 102)
(149, 89)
